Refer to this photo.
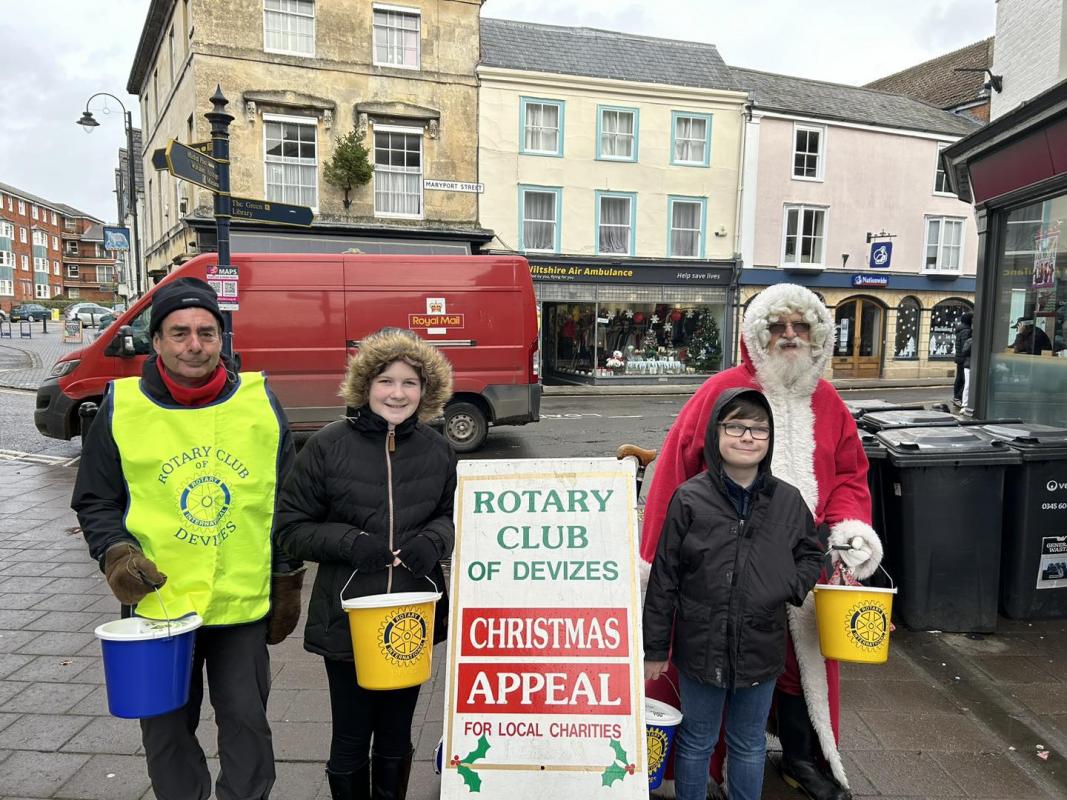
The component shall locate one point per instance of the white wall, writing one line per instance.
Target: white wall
(1029, 51)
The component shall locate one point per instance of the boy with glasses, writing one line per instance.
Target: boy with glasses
(735, 547)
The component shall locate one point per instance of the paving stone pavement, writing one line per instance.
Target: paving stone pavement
(26, 362)
(947, 716)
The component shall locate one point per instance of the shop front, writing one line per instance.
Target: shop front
(887, 325)
(1015, 171)
(632, 321)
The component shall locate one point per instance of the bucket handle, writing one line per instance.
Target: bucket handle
(842, 568)
(155, 588)
(350, 577)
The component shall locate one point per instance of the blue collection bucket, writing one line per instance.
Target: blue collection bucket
(147, 664)
(661, 721)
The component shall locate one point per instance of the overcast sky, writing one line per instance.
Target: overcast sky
(59, 52)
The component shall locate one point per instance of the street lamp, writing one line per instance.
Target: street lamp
(88, 123)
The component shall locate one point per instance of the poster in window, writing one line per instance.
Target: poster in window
(1045, 245)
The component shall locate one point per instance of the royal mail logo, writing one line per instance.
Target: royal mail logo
(422, 321)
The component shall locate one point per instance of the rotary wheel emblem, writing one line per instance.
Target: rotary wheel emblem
(868, 625)
(657, 748)
(403, 637)
(205, 501)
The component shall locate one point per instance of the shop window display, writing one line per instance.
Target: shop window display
(1028, 366)
(943, 319)
(906, 345)
(615, 340)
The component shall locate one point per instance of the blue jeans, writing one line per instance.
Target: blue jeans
(746, 745)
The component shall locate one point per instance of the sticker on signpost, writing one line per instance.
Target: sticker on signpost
(224, 281)
(545, 693)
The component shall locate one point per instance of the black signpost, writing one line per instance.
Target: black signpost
(207, 164)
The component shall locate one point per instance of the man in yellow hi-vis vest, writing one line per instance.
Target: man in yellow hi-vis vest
(176, 497)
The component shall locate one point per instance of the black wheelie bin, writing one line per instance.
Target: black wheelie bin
(1033, 580)
(944, 492)
(876, 421)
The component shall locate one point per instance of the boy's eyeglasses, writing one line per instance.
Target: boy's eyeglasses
(737, 430)
(778, 328)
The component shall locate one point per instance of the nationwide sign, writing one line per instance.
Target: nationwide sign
(269, 211)
(870, 280)
(191, 165)
(545, 691)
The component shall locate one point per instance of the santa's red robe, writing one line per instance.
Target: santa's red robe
(818, 450)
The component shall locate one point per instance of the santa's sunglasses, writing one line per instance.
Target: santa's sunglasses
(799, 328)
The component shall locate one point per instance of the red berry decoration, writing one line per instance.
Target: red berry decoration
(630, 768)
(455, 761)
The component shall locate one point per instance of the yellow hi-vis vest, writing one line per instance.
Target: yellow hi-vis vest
(201, 484)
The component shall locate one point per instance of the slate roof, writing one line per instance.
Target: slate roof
(32, 198)
(835, 101)
(936, 81)
(601, 54)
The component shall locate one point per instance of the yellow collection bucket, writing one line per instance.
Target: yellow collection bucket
(392, 638)
(854, 622)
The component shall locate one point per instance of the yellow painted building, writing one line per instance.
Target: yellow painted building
(300, 74)
(612, 162)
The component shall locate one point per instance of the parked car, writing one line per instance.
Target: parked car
(88, 313)
(33, 312)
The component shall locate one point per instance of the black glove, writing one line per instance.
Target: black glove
(370, 553)
(284, 604)
(419, 555)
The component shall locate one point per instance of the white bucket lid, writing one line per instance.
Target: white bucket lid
(661, 714)
(390, 600)
(134, 629)
(822, 587)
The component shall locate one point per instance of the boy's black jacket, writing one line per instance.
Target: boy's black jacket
(719, 584)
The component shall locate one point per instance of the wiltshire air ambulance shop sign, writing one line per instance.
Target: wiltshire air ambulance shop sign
(545, 695)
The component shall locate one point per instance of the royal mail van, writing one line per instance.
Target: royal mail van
(301, 316)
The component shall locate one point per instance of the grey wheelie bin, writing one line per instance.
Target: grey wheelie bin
(876, 460)
(876, 421)
(944, 492)
(1033, 580)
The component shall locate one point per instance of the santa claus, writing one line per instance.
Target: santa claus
(787, 340)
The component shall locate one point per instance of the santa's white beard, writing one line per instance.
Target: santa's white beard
(791, 369)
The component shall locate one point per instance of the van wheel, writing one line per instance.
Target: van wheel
(465, 427)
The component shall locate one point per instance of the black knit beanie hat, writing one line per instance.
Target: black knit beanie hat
(182, 293)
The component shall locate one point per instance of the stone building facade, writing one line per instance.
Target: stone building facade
(299, 75)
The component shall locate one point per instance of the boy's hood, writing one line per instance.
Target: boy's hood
(712, 457)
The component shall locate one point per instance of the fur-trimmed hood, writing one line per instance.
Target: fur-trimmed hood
(778, 301)
(379, 350)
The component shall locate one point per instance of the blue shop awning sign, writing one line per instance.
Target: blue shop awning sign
(870, 280)
(881, 255)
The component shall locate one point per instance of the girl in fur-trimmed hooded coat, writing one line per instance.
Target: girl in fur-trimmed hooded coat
(370, 499)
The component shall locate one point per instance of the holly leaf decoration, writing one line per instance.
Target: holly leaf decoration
(620, 753)
(612, 774)
(471, 779)
(479, 751)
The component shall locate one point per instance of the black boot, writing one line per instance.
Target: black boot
(349, 785)
(801, 768)
(390, 776)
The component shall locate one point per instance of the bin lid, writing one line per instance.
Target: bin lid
(1031, 438)
(860, 407)
(931, 446)
(906, 418)
(874, 448)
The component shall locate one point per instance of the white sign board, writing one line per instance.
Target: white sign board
(453, 186)
(545, 690)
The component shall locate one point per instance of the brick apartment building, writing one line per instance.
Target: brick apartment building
(49, 250)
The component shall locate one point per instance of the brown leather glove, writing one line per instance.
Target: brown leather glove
(284, 604)
(129, 574)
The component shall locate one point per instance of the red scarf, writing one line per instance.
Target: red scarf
(194, 395)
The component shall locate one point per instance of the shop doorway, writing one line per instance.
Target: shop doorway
(860, 323)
